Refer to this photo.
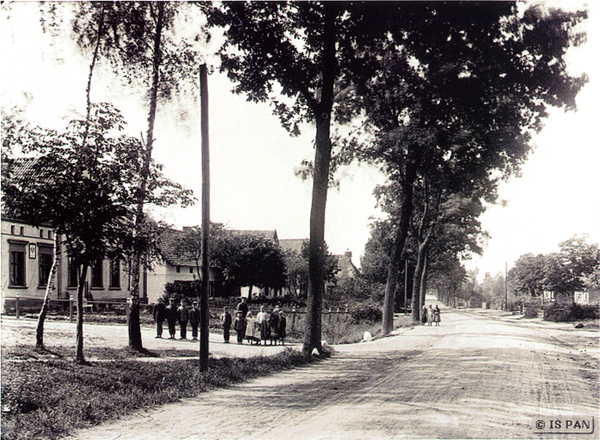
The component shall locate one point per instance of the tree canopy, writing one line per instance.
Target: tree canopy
(563, 272)
(462, 86)
(89, 198)
(239, 259)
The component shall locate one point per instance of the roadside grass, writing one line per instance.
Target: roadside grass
(47, 396)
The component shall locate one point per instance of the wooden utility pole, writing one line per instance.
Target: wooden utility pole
(204, 329)
(506, 286)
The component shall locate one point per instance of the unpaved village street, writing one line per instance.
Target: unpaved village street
(479, 375)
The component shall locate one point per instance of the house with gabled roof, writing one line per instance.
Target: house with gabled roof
(27, 253)
(175, 266)
(293, 244)
(269, 234)
(179, 266)
(346, 267)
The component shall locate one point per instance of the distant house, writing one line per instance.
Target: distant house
(589, 296)
(347, 269)
(269, 234)
(548, 296)
(176, 266)
(179, 266)
(293, 244)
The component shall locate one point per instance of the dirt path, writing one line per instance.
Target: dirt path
(473, 377)
(61, 333)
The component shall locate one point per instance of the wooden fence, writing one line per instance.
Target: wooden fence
(19, 306)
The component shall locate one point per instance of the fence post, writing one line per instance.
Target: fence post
(70, 307)
(293, 318)
(17, 306)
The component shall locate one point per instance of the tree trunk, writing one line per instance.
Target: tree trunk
(395, 258)
(39, 334)
(316, 266)
(424, 278)
(316, 263)
(133, 318)
(88, 90)
(79, 357)
(417, 278)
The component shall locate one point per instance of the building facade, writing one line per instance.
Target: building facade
(27, 257)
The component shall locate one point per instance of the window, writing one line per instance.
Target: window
(12, 230)
(45, 264)
(73, 273)
(22, 230)
(97, 274)
(41, 233)
(17, 265)
(115, 274)
(191, 269)
(50, 234)
(178, 269)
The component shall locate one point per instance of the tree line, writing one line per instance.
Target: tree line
(575, 267)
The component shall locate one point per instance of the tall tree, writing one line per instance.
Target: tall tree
(527, 275)
(143, 51)
(565, 271)
(91, 206)
(480, 68)
(301, 57)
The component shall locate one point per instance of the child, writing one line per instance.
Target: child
(239, 325)
(226, 322)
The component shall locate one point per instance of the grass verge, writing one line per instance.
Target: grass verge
(48, 399)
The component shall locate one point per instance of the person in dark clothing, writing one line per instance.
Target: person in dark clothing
(243, 307)
(171, 318)
(239, 325)
(183, 315)
(274, 324)
(195, 320)
(226, 322)
(159, 313)
(281, 327)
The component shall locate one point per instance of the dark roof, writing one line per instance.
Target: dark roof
(171, 238)
(268, 234)
(21, 168)
(167, 244)
(292, 244)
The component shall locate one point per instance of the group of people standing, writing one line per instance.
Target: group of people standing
(174, 315)
(431, 315)
(264, 327)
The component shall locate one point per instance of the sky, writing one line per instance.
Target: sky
(253, 159)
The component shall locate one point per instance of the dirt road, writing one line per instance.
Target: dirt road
(475, 376)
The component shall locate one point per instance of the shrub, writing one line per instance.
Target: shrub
(366, 312)
(531, 312)
(558, 312)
